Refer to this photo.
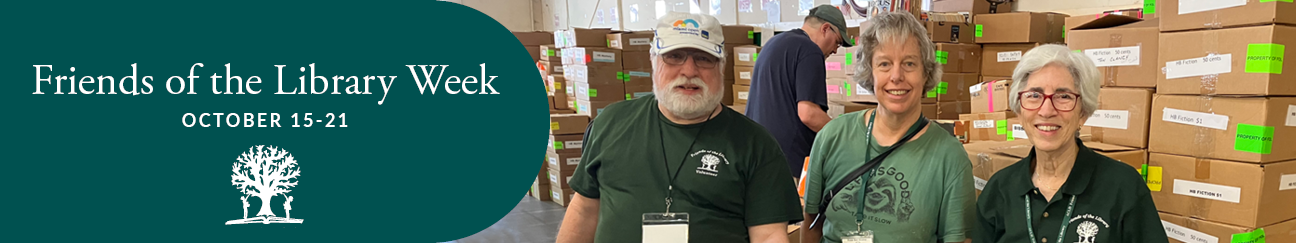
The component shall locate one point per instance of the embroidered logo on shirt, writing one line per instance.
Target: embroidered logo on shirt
(710, 160)
(1088, 230)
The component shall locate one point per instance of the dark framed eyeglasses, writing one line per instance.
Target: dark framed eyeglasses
(700, 59)
(1062, 101)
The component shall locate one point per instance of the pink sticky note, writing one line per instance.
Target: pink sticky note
(833, 66)
(834, 89)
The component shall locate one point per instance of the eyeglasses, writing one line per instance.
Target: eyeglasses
(1033, 100)
(700, 59)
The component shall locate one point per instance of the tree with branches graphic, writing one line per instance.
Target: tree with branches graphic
(265, 172)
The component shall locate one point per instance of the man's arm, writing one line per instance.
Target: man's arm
(768, 233)
(811, 114)
(809, 235)
(581, 221)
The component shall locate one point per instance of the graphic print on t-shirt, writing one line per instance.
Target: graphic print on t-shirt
(887, 198)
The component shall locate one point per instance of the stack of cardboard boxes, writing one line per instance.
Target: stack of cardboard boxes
(1005, 37)
(744, 62)
(538, 43)
(960, 59)
(566, 133)
(590, 69)
(636, 65)
(1223, 121)
(739, 65)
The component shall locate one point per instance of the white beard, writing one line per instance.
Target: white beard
(688, 106)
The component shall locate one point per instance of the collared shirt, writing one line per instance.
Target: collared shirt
(1114, 207)
(790, 70)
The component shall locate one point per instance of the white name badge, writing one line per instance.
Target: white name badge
(665, 227)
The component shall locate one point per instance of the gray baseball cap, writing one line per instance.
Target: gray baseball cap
(833, 16)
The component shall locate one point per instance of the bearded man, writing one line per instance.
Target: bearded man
(677, 166)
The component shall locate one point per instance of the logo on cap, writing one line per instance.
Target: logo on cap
(685, 22)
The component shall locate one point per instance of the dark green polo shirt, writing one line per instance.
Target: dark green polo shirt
(1113, 204)
(735, 176)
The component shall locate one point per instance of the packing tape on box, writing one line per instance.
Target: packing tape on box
(1210, 43)
(1114, 40)
(1200, 207)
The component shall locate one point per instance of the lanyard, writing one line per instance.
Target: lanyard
(868, 149)
(1061, 232)
(670, 179)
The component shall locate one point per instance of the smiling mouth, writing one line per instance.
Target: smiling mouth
(898, 92)
(1047, 127)
(689, 87)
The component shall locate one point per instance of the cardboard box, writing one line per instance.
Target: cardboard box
(990, 96)
(1124, 49)
(959, 58)
(745, 55)
(630, 41)
(837, 88)
(738, 34)
(989, 126)
(955, 86)
(637, 77)
(1131, 156)
(553, 68)
(987, 160)
(1218, 14)
(1243, 194)
(540, 191)
(993, 78)
(559, 179)
(836, 66)
(593, 56)
(534, 38)
(742, 75)
(593, 74)
(956, 128)
(636, 91)
(1243, 58)
(551, 54)
(728, 98)
(535, 52)
(950, 32)
(1122, 117)
(561, 196)
(561, 111)
(794, 233)
(581, 37)
(1182, 229)
(951, 110)
(568, 124)
(975, 7)
(566, 143)
(836, 109)
(636, 60)
(565, 162)
(929, 110)
(1000, 59)
(1026, 27)
(741, 109)
(1257, 130)
(593, 108)
(740, 94)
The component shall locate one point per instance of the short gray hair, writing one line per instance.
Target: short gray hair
(897, 27)
(1083, 72)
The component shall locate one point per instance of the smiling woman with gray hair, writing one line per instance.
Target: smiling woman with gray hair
(1052, 195)
(887, 173)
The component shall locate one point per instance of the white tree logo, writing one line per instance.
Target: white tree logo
(1087, 231)
(709, 162)
(265, 172)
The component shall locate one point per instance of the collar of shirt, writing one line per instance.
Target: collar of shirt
(1076, 183)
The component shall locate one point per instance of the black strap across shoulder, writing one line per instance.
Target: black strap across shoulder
(873, 163)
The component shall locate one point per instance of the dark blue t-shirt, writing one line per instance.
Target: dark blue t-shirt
(790, 70)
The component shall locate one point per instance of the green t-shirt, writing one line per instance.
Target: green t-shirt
(735, 176)
(922, 192)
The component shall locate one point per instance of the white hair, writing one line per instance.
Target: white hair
(1083, 72)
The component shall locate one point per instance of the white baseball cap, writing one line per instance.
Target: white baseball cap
(682, 30)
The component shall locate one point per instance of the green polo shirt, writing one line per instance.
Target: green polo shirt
(1116, 207)
(734, 177)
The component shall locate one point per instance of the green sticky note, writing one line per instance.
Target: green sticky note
(1286, 1)
(621, 75)
(1143, 172)
(1063, 33)
(849, 58)
(558, 145)
(1001, 127)
(609, 43)
(1149, 6)
(754, 55)
(551, 53)
(1265, 58)
(931, 94)
(852, 41)
(593, 93)
(848, 91)
(1257, 236)
(943, 84)
(628, 97)
(751, 34)
(1252, 138)
(978, 30)
(1078, 51)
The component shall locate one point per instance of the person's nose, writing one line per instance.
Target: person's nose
(897, 76)
(1047, 109)
(689, 69)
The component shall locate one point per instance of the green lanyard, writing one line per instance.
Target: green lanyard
(1061, 232)
(868, 149)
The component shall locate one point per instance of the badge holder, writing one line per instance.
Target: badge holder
(858, 236)
(665, 227)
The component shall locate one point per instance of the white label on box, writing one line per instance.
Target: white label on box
(553, 161)
(640, 41)
(744, 75)
(746, 57)
(1010, 56)
(573, 161)
(1195, 118)
(1208, 191)
(742, 95)
(1115, 56)
(1291, 115)
(974, 89)
(604, 56)
(1212, 64)
(1193, 6)
(640, 74)
(572, 144)
(556, 195)
(980, 183)
(1287, 182)
(1187, 235)
(979, 124)
(1018, 131)
(612, 43)
(860, 90)
(553, 178)
(1118, 119)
